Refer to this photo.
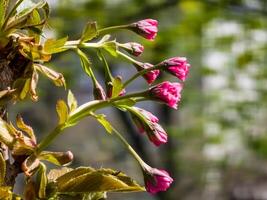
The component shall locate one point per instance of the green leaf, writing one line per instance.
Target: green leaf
(21, 19)
(3, 7)
(85, 62)
(111, 47)
(2, 169)
(54, 46)
(24, 127)
(30, 164)
(102, 180)
(25, 89)
(101, 118)
(72, 102)
(57, 158)
(89, 32)
(62, 111)
(125, 102)
(42, 181)
(117, 86)
(56, 173)
(57, 78)
(5, 136)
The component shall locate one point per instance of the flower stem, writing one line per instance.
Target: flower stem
(140, 73)
(49, 138)
(81, 112)
(129, 147)
(128, 58)
(111, 29)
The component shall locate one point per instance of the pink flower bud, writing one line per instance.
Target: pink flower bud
(169, 93)
(147, 123)
(156, 180)
(133, 48)
(150, 76)
(177, 66)
(147, 28)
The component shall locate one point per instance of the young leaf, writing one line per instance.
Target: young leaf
(56, 77)
(117, 86)
(52, 46)
(62, 111)
(102, 180)
(105, 123)
(55, 173)
(72, 102)
(42, 181)
(89, 32)
(25, 89)
(2, 169)
(111, 47)
(3, 7)
(57, 158)
(30, 165)
(85, 62)
(5, 136)
(33, 85)
(27, 129)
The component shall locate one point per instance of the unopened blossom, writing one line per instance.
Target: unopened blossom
(147, 28)
(133, 48)
(156, 180)
(177, 66)
(167, 92)
(147, 123)
(150, 76)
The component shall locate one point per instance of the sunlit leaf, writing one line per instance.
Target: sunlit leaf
(30, 165)
(55, 173)
(25, 89)
(54, 46)
(3, 7)
(42, 181)
(111, 47)
(101, 118)
(62, 111)
(102, 180)
(56, 77)
(33, 85)
(117, 86)
(26, 128)
(85, 62)
(5, 136)
(2, 169)
(89, 32)
(57, 158)
(72, 102)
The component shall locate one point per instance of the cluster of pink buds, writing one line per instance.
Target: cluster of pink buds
(166, 92)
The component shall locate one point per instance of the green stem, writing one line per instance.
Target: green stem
(81, 112)
(129, 147)
(49, 138)
(85, 109)
(11, 13)
(111, 29)
(128, 58)
(108, 75)
(140, 73)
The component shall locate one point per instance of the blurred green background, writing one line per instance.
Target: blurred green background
(218, 136)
